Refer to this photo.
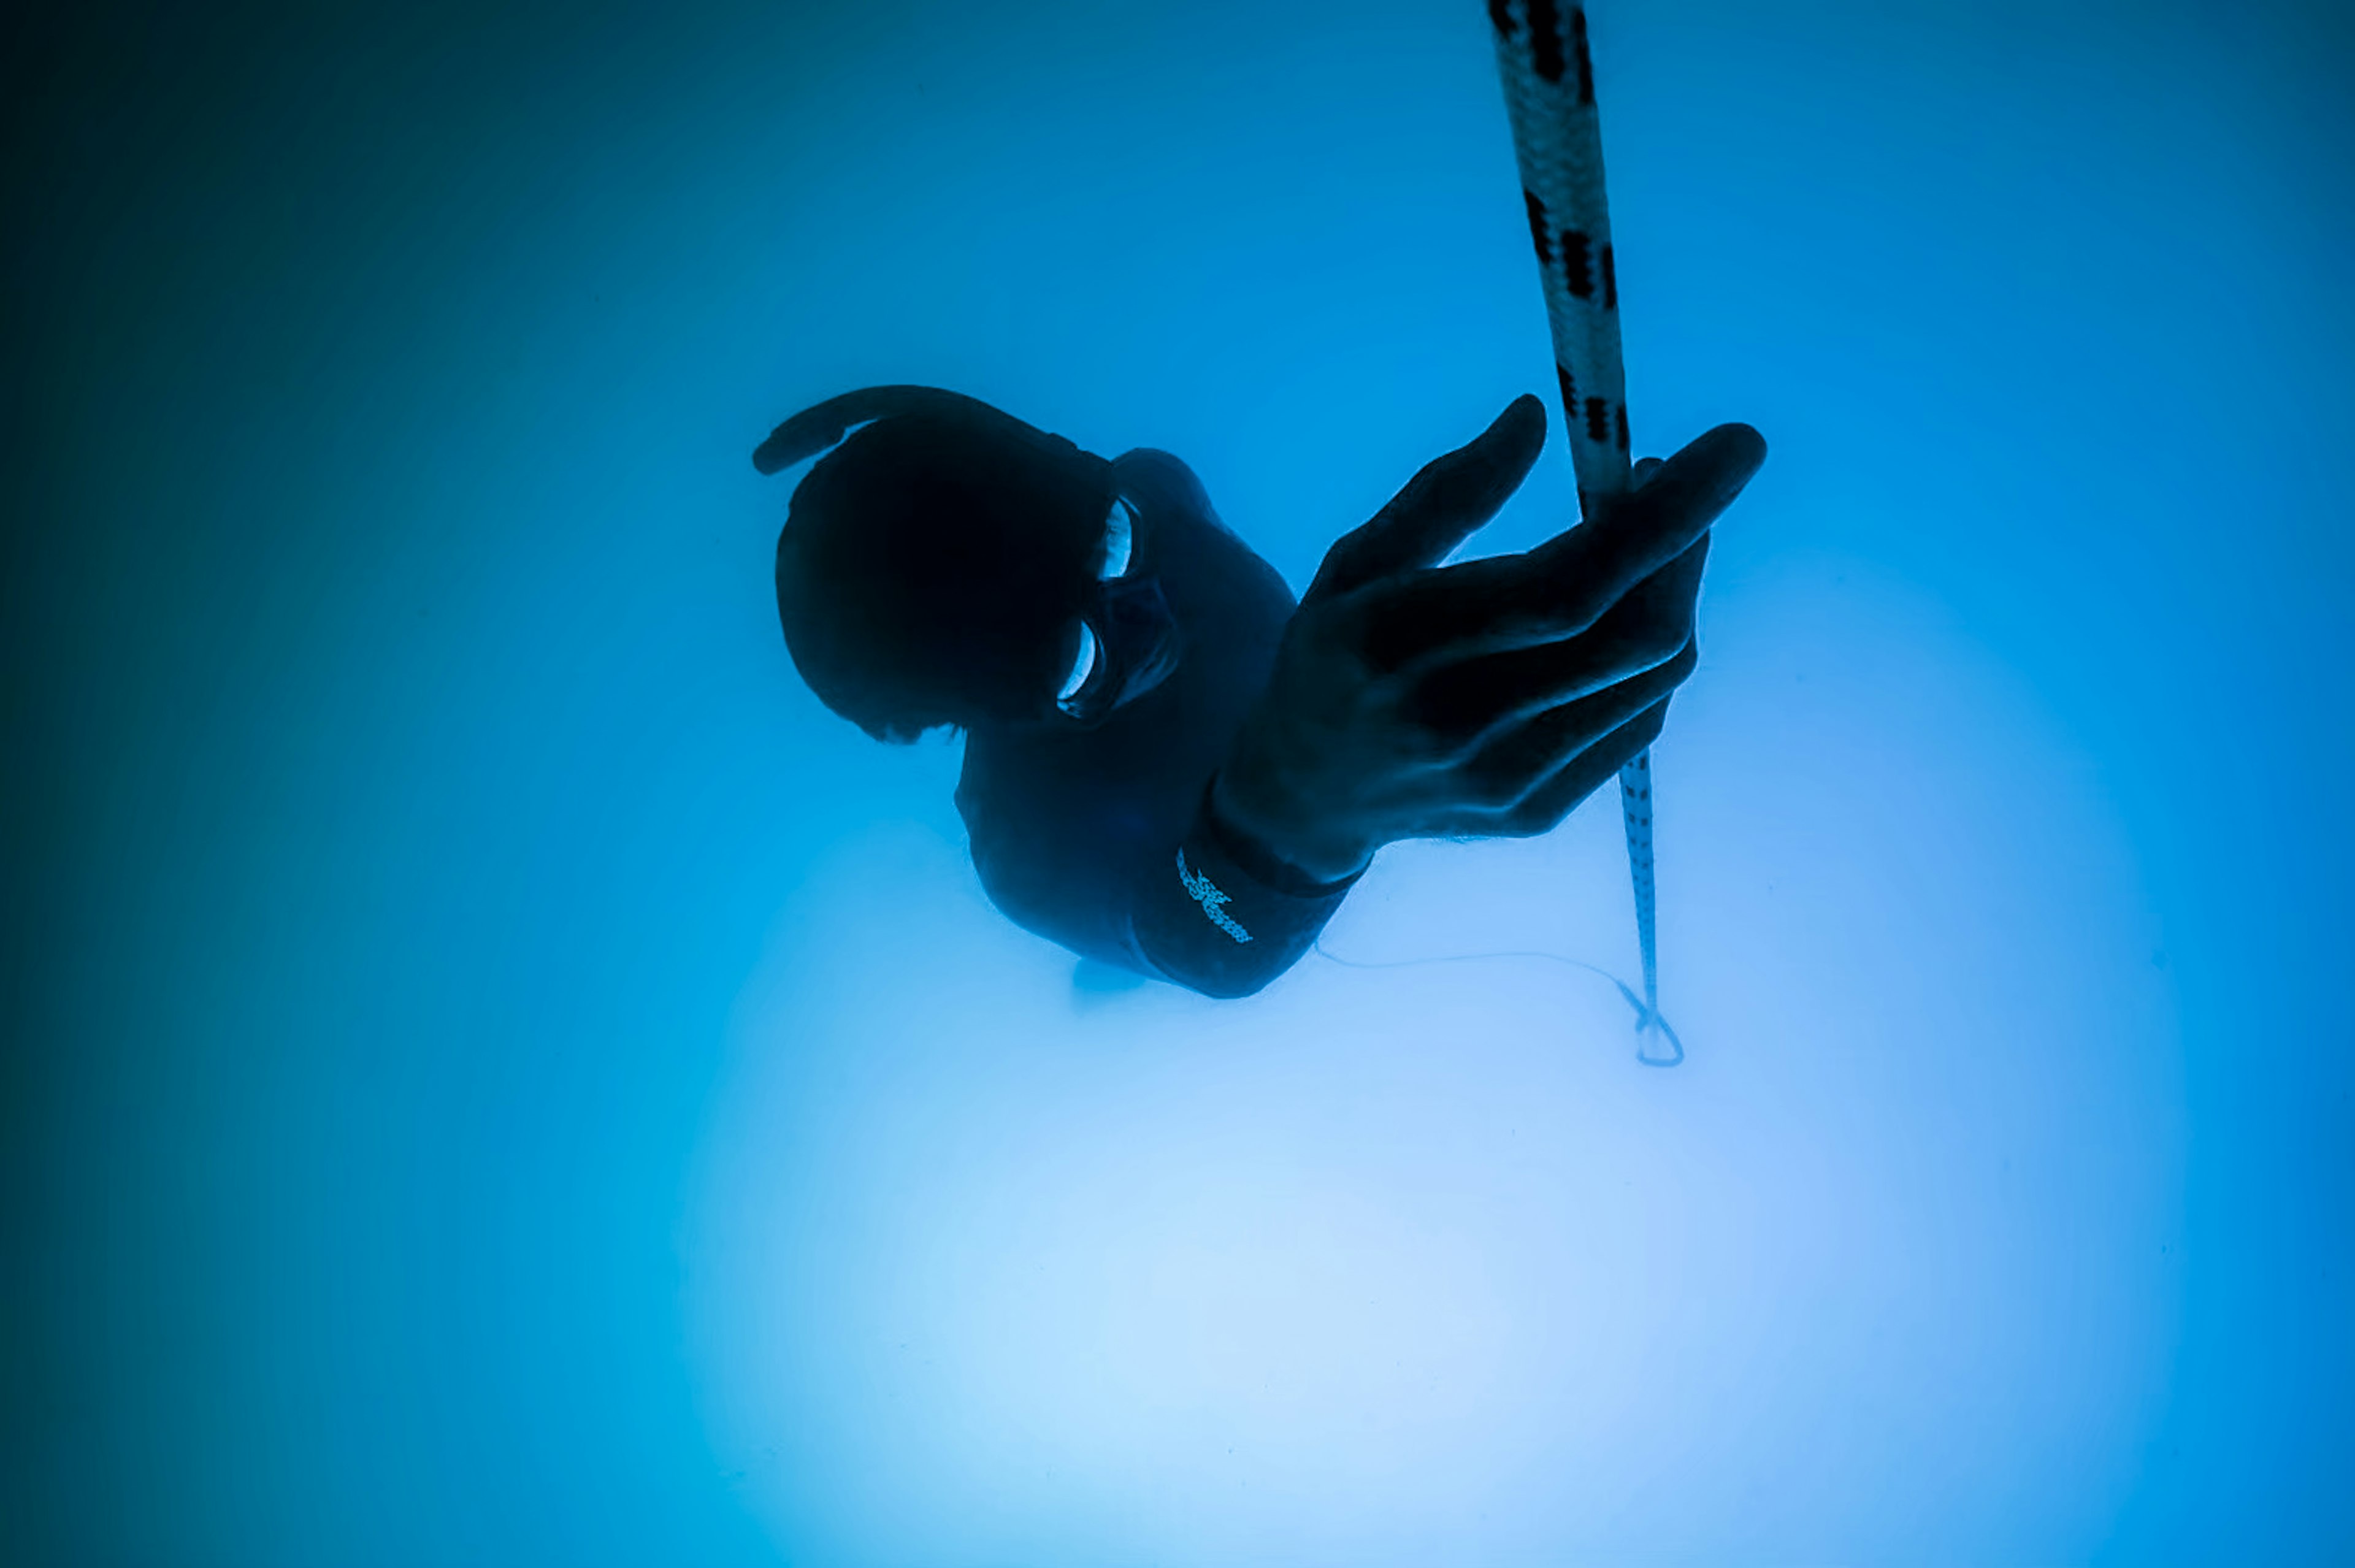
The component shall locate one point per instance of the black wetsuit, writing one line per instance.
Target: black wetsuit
(1100, 839)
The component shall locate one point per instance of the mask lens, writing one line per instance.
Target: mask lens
(1128, 643)
(1082, 668)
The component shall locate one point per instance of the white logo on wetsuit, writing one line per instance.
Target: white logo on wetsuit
(1207, 893)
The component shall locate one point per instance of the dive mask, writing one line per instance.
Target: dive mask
(1128, 638)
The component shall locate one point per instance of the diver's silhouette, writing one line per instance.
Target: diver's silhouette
(1169, 765)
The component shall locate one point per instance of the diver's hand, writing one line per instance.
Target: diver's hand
(1412, 700)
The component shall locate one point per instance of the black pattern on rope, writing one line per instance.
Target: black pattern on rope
(1578, 263)
(1541, 227)
(1545, 39)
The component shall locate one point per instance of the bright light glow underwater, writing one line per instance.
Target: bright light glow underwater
(510, 1077)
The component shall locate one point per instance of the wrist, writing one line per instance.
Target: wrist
(1278, 856)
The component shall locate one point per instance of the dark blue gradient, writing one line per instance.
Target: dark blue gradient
(496, 1073)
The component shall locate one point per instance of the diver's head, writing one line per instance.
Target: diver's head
(940, 565)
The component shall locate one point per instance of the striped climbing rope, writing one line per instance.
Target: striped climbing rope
(1549, 81)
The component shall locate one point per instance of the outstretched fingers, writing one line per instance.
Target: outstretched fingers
(1471, 699)
(1517, 760)
(1449, 498)
(1542, 809)
(1568, 583)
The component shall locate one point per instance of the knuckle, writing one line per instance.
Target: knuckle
(1493, 777)
(1652, 648)
(1660, 637)
(1658, 643)
(1433, 747)
(1386, 641)
(1532, 819)
(1495, 789)
(1419, 746)
(1440, 726)
(1542, 809)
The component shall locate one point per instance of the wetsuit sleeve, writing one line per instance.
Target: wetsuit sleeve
(1223, 916)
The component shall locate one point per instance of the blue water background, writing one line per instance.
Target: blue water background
(496, 1073)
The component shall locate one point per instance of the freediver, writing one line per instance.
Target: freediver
(1172, 768)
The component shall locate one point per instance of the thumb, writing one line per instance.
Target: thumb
(1441, 505)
